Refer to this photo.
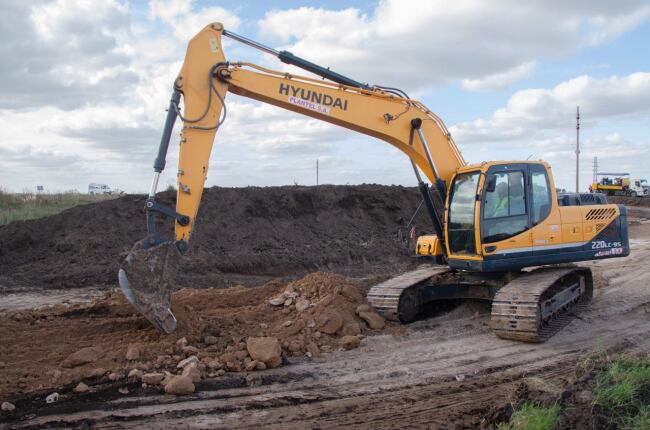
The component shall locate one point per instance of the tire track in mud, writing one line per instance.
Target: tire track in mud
(443, 374)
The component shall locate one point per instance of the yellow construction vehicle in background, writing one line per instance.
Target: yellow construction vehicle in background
(490, 221)
(618, 184)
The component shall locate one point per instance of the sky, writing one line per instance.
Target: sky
(84, 86)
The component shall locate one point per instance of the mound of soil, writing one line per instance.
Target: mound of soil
(265, 232)
(55, 348)
(630, 201)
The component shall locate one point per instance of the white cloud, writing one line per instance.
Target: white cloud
(425, 43)
(534, 109)
(185, 21)
(500, 80)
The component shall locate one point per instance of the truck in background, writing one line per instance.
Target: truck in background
(94, 188)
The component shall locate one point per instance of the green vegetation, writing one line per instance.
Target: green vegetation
(24, 206)
(623, 389)
(532, 417)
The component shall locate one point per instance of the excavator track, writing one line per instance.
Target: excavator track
(537, 304)
(398, 298)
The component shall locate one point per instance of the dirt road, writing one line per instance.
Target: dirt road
(444, 372)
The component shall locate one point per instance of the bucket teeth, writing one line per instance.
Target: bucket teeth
(146, 278)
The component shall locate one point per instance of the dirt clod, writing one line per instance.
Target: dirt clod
(133, 352)
(350, 342)
(373, 319)
(8, 407)
(265, 349)
(152, 378)
(83, 356)
(81, 388)
(180, 385)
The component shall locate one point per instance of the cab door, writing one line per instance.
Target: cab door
(505, 221)
(546, 223)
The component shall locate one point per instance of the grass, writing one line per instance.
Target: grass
(532, 417)
(24, 206)
(623, 389)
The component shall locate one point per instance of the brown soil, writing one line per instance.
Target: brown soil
(36, 342)
(630, 201)
(447, 371)
(241, 234)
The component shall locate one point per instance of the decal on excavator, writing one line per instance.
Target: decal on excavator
(313, 100)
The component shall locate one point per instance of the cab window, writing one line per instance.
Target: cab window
(461, 214)
(541, 200)
(504, 206)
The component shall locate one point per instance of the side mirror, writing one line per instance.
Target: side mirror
(491, 184)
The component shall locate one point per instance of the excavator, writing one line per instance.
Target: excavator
(500, 232)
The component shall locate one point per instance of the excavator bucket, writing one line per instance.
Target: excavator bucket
(146, 278)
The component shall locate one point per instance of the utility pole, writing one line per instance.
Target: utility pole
(578, 149)
(595, 178)
(317, 171)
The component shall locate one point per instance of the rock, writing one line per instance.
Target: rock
(373, 319)
(302, 304)
(288, 302)
(329, 322)
(241, 355)
(585, 396)
(181, 342)
(133, 352)
(123, 390)
(113, 376)
(153, 378)
(265, 349)
(221, 372)
(54, 397)
(215, 365)
(287, 323)
(8, 407)
(351, 293)
(189, 360)
(83, 356)
(363, 308)
(313, 349)
(190, 350)
(210, 340)
(296, 345)
(350, 342)
(288, 331)
(180, 385)
(193, 373)
(136, 374)
(95, 373)
(460, 378)
(260, 365)
(277, 301)
(234, 366)
(351, 329)
(251, 365)
(81, 388)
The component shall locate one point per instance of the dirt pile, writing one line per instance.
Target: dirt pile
(630, 201)
(219, 331)
(240, 232)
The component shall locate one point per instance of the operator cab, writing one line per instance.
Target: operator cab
(505, 216)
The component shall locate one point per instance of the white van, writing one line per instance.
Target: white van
(99, 189)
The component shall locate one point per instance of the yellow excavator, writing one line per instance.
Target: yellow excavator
(499, 231)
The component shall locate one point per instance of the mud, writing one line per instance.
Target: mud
(243, 235)
(36, 343)
(445, 371)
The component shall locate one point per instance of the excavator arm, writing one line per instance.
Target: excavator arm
(147, 274)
